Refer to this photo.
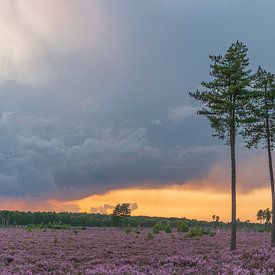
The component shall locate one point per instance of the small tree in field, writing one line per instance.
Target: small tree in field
(223, 101)
(267, 217)
(120, 213)
(260, 124)
(216, 220)
(260, 215)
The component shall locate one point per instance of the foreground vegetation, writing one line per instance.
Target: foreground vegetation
(113, 251)
(66, 219)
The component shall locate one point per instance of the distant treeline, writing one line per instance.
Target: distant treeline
(20, 218)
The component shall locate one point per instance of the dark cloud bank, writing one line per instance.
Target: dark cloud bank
(42, 156)
(118, 114)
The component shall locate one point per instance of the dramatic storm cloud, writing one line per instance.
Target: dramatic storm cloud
(40, 156)
(94, 94)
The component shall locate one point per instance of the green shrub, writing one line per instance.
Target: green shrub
(57, 225)
(194, 232)
(197, 232)
(29, 227)
(39, 226)
(156, 228)
(182, 227)
(163, 225)
(208, 232)
(168, 229)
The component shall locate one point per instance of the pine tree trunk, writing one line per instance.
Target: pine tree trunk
(272, 184)
(233, 183)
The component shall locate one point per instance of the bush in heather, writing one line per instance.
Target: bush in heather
(261, 230)
(162, 226)
(57, 225)
(62, 252)
(194, 232)
(182, 227)
(168, 229)
(207, 232)
(156, 228)
(29, 228)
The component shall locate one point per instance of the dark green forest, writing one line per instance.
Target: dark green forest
(48, 219)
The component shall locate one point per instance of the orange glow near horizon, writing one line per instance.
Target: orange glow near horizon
(171, 201)
(182, 202)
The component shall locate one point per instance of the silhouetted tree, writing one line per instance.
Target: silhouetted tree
(216, 220)
(267, 217)
(120, 213)
(260, 214)
(223, 102)
(260, 124)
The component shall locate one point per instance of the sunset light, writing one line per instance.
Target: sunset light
(137, 137)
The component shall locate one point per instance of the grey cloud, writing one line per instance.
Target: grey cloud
(100, 119)
(252, 173)
(98, 160)
(155, 122)
(180, 113)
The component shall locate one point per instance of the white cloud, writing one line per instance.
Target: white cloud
(103, 209)
(133, 206)
(107, 208)
(155, 122)
(88, 104)
(35, 31)
(179, 113)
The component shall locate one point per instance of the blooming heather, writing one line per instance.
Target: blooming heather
(112, 251)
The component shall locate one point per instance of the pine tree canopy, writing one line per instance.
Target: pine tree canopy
(226, 94)
(260, 111)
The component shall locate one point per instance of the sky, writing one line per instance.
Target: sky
(95, 108)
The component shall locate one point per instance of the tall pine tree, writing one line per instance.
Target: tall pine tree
(223, 101)
(260, 124)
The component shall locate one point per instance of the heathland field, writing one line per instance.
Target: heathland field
(135, 251)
